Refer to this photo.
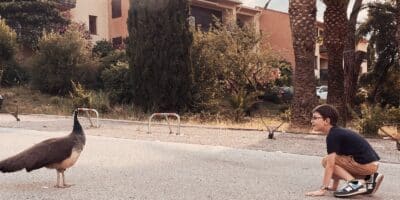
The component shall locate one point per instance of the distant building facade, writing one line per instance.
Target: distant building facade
(226, 11)
(279, 37)
(105, 19)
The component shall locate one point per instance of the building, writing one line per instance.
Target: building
(105, 19)
(279, 37)
(226, 11)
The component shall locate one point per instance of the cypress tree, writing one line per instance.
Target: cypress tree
(159, 46)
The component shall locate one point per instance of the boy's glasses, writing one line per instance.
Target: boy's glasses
(315, 117)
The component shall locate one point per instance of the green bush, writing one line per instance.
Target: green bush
(116, 81)
(102, 48)
(13, 74)
(81, 98)
(100, 101)
(374, 117)
(113, 58)
(63, 58)
(7, 51)
(7, 42)
(393, 116)
(228, 63)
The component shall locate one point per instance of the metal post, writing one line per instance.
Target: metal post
(166, 117)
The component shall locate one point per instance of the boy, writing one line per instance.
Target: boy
(350, 157)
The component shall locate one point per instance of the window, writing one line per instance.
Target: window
(93, 24)
(117, 42)
(116, 8)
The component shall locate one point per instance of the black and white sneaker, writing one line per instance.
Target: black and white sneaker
(373, 183)
(352, 188)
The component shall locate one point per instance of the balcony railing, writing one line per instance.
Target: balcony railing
(65, 4)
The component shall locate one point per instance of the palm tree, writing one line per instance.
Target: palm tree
(398, 28)
(335, 21)
(351, 66)
(302, 19)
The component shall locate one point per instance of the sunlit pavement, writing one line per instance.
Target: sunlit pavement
(111, 168)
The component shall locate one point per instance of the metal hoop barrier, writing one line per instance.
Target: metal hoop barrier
(166, 118)
(87, 110)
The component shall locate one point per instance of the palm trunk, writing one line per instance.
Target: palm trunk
(302, 19)
(398, 28)
(351, 67)
(335, 21)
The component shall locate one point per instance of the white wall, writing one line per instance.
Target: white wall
(99, 8)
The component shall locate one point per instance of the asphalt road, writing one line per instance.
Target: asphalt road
(112, 168)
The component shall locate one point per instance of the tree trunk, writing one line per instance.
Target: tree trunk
(335, 21)
(351, 67)
(302, 19)
(398, 29)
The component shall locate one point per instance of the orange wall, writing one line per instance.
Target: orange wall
(118, 26)
(275, 27)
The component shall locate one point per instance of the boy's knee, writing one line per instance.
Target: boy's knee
(323, 161)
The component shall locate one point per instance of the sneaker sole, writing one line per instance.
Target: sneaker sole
(379, 180)
(352, 194)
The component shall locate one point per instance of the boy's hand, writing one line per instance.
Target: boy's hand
(320, 192)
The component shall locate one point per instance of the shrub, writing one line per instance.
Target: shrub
(228, 63)
(80, 97)
(372, 120)
(7, 51)
(115, 81)
(63, 58)
(102, 48)
(7, 41)
(113, 58)
(100, 101)
(393, 116)
(374, 117)
(13, 74)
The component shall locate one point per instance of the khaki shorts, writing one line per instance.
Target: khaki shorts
(353, 167)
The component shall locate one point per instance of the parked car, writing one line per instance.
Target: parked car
(277, 94)
(322, 92)
(286, 93)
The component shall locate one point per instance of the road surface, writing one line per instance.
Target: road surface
(112, 168)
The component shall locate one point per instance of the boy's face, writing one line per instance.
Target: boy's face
(319, 123)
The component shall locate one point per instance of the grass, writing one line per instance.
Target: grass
(31, 101)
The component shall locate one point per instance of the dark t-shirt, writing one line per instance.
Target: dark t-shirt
(348, 143)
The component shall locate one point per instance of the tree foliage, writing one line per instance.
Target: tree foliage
(159, 46)
(29, 18)
(116, 81)
(228, 64)
(7, 41)
(7, 50)
(102, 48)
(383, 79)
(63, 58)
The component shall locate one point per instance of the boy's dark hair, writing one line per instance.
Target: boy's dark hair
(327, 111)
